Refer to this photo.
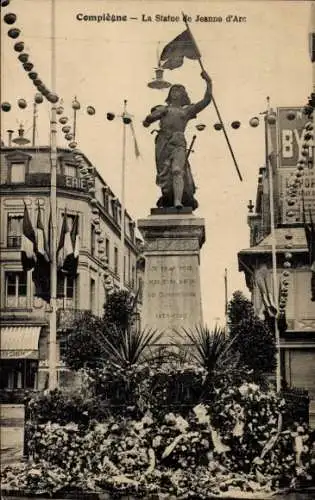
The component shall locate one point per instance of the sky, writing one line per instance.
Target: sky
(262, 52)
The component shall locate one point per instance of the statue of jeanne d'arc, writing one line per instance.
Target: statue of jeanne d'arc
(173, 171)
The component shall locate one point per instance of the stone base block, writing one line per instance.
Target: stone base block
(172, 296)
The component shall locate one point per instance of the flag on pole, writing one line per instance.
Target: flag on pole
(269, 307)
(173, 54)
(75, 240)
(41, 272)
(65, 247)
(135, 142)
(309, 229)
(271, 147)
(28, 255)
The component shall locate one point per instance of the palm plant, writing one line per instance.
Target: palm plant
(211, 349)
(127, 346)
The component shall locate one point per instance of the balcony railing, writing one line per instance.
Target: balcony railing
(14, 241)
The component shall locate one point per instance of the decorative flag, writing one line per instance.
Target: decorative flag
(28, 255)
(272, 158)
(174, 52)
(75, 240)
(41, 272)
(310, 239)
(269, 307)
(65, 247)
(137, 151)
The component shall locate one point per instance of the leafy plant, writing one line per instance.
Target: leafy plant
(252, 337)
(128, 347)
(211, 349)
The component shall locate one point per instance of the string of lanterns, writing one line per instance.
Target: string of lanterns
(87, 172)
(292, 200)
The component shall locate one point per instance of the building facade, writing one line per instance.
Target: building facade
(290, 158)
(25, 178)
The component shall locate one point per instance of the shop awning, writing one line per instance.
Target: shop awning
(19, 342)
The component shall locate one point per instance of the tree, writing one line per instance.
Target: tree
(253, 339)
(114, 337)
(81, 349)
(120, 309)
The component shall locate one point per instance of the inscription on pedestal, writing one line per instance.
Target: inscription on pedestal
(172, 298)
(172, 293)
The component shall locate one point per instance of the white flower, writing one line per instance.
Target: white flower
(201, 414)
(156, 441)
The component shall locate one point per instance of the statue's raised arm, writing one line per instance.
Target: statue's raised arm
(203, 103)
(173, 171)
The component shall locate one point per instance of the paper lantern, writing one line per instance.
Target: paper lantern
(38, 98)
(5, 106)
(254, 122)
(69, 137)
(66, 129)
(218, 126)
(90, 110)
(63, 120)
(52, 97)
(23, 57)
(110, 116)
(236, 124)
(28, 66)
(73, 145)
(33, 75)
(14, 33)
(200, 127)
(59, 110)
(9, 18)
(19, 47)
(22, 103)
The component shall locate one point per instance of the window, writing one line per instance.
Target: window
(114, 208)
(18, 374)
(116, 260)
(106, 198)
(125, 269)
(132, 230)
(16, 289)
(107, 249)
(92, 295)
(17, 173)
(70, 220)
(65, 286)
(15, 224)
(70, 170)
(93, 240)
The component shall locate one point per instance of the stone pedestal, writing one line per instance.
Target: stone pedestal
(172, 296)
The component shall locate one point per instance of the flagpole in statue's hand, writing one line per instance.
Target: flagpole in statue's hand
(205, 74)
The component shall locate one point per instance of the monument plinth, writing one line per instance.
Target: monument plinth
(172, 296)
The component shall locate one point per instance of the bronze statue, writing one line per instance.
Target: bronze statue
(173, 171)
